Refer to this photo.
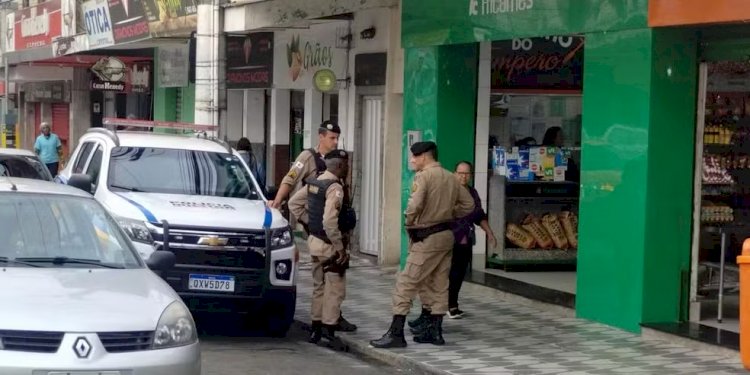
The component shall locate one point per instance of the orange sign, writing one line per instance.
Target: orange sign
(695, 12)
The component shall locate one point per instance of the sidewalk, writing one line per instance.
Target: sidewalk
(498, 337)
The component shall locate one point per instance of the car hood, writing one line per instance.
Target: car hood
(81, 299)
(198, 210)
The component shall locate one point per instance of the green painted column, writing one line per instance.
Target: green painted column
(165, 102)
(440, 102)
(636, 201)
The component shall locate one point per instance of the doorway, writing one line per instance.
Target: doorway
(372, 175)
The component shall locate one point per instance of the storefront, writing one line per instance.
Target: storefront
(626, 111)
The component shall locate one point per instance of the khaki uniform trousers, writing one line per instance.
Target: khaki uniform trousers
(426, 273)
(329, 289)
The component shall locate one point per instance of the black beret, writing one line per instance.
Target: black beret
(420, 148)
(337, 154)
(331, 127)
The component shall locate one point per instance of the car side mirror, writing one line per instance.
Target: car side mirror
(83, 182)
(161, 260)
(271, 192)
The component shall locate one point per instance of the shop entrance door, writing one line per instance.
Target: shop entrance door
(61, 124)
(372, 175)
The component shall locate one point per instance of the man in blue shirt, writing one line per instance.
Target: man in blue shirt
(49, 148)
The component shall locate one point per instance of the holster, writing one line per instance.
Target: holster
(420, 234)
(331, 265)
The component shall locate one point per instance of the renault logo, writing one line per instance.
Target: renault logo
(213, 241)
(82, 347)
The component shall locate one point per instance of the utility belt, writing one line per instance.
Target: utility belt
(420, 234)
(322, 236)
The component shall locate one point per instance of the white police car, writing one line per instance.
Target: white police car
(197, 198)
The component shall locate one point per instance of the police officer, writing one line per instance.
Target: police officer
(436, 200)
(309, 164)
(318, 207)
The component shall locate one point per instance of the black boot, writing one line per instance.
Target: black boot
(421, 320)
(316, 332)
(330, 339)
(394, 338)
(345, 326)
(433, 334)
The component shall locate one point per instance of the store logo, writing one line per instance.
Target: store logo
(139, 78)
(110, 69)
(35, 24)
(97, 21)
(314, 56)
(494, 7)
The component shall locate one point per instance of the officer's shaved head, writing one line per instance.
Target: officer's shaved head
(337, 167)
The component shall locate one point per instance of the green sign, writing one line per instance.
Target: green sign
(425, 23)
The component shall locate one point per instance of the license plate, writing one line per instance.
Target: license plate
(215, 283)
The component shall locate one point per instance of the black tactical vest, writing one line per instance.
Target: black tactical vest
(316, 203)
(320, 165)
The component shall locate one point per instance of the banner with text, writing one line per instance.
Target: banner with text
(129, 21)
(250, 61)
(35, 26)
(171, 18)
(174, 66)
(299, 55)
(98, 23)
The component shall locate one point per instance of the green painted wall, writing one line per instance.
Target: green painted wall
(165, 102)
(430, 22)
(440, 86)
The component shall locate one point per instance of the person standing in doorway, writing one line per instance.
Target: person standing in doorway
(465, 238)
(435, 202)
(245, 149)
(49, 148)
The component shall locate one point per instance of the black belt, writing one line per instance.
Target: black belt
(420, 234)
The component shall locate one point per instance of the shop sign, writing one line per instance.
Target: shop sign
(110, 75)
(36, 26)
(129, 21)
(695, 12)
(554, 62)
(140, 77)
(98, 23)
(250, 61)
(171, 18)
(174, 66)
(299, 56)
(46, 92)
(470, 21)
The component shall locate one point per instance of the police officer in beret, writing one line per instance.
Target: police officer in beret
(318, 206)
(436, 200)
(310, 163)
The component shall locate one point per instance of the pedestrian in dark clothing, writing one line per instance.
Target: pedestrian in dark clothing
(244, 148)
(463, 232)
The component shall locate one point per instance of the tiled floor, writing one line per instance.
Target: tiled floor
(564, 281)
(498, 337)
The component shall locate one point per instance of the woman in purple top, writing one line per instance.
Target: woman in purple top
(463, 231)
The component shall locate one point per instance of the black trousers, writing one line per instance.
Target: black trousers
(459, 266)
(53, 168)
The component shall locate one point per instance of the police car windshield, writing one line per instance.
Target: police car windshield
(185, 172)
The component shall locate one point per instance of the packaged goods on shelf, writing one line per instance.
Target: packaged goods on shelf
(569, 222)
(533, 225)
(531, 163)
(555, 229)
(718, 134)
(716, 213)
(519, 236)
(713, 172)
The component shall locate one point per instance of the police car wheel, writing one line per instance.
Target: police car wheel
(279, 316)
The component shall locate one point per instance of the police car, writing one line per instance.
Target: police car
(195, 196)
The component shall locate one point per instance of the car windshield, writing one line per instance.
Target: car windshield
(186, 172)
(23, 167)
(48, 230)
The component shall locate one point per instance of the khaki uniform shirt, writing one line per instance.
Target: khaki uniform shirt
(334, 199)
(436, 197)
(303, 168)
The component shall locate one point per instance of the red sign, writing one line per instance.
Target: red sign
(37, 26)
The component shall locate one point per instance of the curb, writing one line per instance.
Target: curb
(381, 355)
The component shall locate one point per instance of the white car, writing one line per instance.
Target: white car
(234, 254)
(16, 162)
(77, 298)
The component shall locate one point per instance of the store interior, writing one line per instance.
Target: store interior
(722, 191)
(533, 188)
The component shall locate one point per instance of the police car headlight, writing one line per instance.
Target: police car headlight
(176, 327)
(281, 238)
(136, 230)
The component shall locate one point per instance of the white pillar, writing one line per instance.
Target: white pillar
(313, 116)
(210, 86)
(254, 115)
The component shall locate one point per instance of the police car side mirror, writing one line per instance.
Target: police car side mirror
(271, 192)
(83, 182)
(161, 260)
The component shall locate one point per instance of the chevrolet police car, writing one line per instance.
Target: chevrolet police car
(196, 197)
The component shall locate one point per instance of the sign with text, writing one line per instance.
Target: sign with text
(250, 61)
(549, 63)
(98, 23)
(129, 21)
(171, 18)
(174, 65)
(37, 26)
(299, 55)
(140, 77)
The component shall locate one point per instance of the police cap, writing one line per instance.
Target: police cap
(337, 154)
(331, 126)
(420, 148)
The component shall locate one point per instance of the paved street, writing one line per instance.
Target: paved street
(228, 352)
